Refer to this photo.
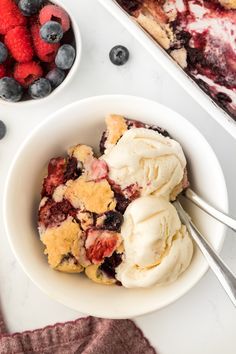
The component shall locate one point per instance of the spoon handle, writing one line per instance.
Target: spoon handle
(218, 215)
(222, 272)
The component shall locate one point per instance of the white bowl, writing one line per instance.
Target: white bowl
(83, 122)
(71, 73)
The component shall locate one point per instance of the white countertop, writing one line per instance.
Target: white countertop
(204, 320)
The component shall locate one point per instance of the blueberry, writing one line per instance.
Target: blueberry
(51, 32)
(55, 76)
(40, 88)
(109, 265)
(65, 57)
(3, 52)
(113, 221)
(3, 129)
(119, 55)
(10, 90)
(30, 7)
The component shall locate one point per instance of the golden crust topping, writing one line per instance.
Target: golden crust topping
(228, 4)
(95, 274)
(86, 219)
(154, 29)
(81, 152)
(61, 241)
(69, 267)
(96, 197)
(116, 126)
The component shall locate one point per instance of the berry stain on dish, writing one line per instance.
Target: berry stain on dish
(110, 216)
(37, 48)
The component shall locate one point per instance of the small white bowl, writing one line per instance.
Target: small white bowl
(83, 122)
(71, 73)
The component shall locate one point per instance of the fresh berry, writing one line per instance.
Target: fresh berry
(40, 88)
(119, 55)
(10, 90)
(56, 77)
(18, 42)
(54, 13)
(51, 32)
(10, 16)
(29, 7)
(3, 53)
(100, 244)
(65, 57)
(55, 176)
(3, 129)
(113, 221)
(46, 52)
(2, 71)
(27, 73)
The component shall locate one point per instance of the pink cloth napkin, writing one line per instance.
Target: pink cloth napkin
(88, 335)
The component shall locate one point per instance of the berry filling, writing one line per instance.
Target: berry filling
(100, 244)
(53, 213)
(110, 264)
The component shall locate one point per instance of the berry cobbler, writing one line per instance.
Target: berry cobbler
(88, 207)
(200, 35)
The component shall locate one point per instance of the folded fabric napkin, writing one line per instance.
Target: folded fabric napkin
(88, 335)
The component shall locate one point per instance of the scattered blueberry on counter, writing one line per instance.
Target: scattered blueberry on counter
(119, 55)
(3, 129)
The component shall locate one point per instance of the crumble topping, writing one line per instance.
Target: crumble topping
(61, 241)
(96, 197)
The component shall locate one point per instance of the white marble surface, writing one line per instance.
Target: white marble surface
(204, 320)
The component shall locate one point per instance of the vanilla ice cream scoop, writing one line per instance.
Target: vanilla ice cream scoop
(145, 158)
(157, 247)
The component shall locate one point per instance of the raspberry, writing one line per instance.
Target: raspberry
(2, 71)
(10, 16)
(54, 13)
(45, 51)
(27, 73)
(19, 44)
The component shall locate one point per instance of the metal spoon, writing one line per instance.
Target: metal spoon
(215, 213)
(223, 273)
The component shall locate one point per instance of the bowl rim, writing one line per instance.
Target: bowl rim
(59, 297)
(71, 73)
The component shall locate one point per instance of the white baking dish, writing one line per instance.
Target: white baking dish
(171, 67)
